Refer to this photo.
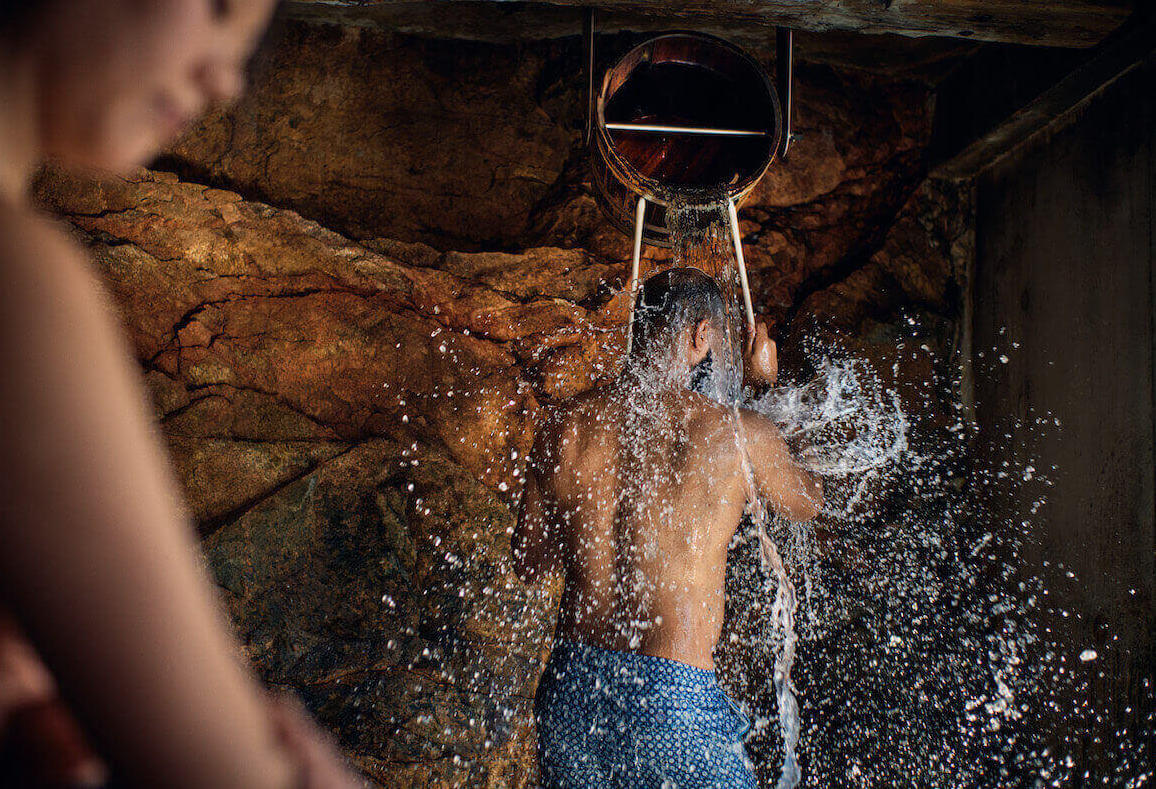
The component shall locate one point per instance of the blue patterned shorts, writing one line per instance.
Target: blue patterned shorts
(620, 720)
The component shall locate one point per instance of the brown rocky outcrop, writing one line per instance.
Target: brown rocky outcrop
(347, 428)
(468, 146)
(348, 412)
(381, 135)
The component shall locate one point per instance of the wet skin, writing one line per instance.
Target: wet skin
(638, 507)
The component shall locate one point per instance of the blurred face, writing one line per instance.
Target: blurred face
(119, 79)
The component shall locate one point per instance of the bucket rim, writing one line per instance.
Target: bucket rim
(654, 190)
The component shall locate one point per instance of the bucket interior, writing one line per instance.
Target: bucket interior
(692, 82)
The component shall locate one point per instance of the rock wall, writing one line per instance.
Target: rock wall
(352, 292)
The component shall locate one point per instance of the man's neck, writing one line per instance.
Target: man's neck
(654, 376)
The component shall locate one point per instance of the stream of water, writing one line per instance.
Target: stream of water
(931, 653)
(842, 421)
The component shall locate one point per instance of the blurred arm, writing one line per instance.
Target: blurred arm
(97, 557)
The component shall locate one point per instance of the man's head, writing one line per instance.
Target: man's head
(679, 319)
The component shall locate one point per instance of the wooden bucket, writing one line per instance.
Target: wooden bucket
(686, 118)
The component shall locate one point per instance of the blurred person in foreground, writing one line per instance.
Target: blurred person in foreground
(115, 659)
(634, 490)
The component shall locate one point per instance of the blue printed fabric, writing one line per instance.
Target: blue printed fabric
(618, 720)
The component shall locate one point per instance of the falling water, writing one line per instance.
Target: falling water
(930, 654)
(844, 421)
(700, 240)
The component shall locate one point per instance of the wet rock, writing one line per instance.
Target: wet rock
(348, 416)
(347, 429)
(471, 146)
(900, 310)
(381, 135)
(225, 477)
(920, 265)
(269, 327)
(378, 588)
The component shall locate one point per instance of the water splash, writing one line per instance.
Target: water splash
(907, 623)
(844, 422)
(701, 240)
(849, 423)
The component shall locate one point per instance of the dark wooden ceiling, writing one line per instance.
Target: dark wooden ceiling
(1054, 23)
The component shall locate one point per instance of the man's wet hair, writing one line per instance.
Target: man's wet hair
(671, 301)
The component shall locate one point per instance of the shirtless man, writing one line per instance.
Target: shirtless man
(634, 490)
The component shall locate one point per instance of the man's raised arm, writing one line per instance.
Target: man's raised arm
(791, 490)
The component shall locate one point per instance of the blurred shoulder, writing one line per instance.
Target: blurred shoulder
(52, 302)
(37, 254)
(24, 232)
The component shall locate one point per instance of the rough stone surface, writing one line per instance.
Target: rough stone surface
(347, 428)
(378, 588)
(472, 146)
(349, 416)
(379, 135)
(901, 310)
(1070, 23)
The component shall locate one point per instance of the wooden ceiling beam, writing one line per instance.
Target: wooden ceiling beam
(1057, 107)
(1057, 23)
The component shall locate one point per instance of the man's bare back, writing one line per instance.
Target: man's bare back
(650, 503)
(637, 498)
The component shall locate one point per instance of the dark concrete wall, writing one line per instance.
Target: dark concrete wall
(1065, 246)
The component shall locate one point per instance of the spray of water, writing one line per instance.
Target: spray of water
(843, 421)
(932, 656)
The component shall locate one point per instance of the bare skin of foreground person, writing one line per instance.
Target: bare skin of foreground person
(113, 633)
(635, 490)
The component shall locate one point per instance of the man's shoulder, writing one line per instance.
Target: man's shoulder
(709, 415)
(572, 422)
(581, 407)
(754, 420)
